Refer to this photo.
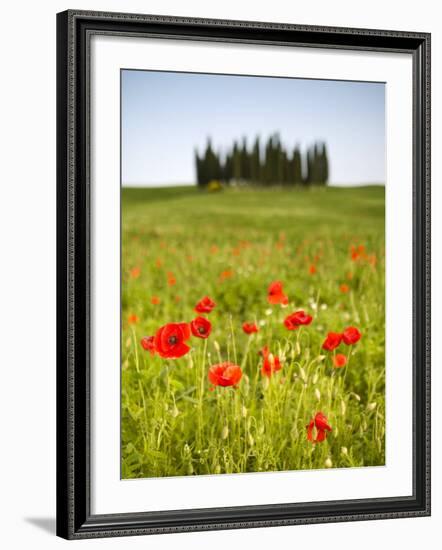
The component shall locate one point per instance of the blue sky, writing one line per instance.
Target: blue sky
(164, 112)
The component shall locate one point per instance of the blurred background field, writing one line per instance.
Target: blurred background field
(326, 244)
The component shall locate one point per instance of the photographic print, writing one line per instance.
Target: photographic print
(252, 274)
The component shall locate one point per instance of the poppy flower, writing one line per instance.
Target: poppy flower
(227, 274)
(155, 300)
(339, 360)
(271, 362)
(205, 305)
(372, 260)
(332, 341)
(351, 335)
(344, 288)
(201, 327)
(250, 328)
(225, 374)
(320, 425)
(170, 340)
(148, 343)
(294, 320)
(275, 294)
(135, 272)
(171, 279)
(312, 269)
(132, 319)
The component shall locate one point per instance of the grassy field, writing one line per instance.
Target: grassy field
(326, 245)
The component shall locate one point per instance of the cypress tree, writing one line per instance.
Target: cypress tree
(236, 162)
(255, 163)
(325, 169)
(297, 166)
(245, 161)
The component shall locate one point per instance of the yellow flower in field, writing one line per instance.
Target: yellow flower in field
(214, 186)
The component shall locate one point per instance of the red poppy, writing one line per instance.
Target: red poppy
(201, 327)
(312, 269)
(372, 260)
(339, 360)
(271, 362)
(344, 288)
(227, 274)
(155, 300)
(205, 305)
(132, 319)
(320, 424)
(275, 295)
(294, 320)
(135, 272)
(225, 374)
(332, 341)
(170, 340)
(171, 279)
(250, 328)
(351, 335)
(148, 343)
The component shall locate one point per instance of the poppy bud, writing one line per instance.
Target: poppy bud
(343, 408)
(225, 433)
(302, 374)
(344, 451)
(328, 463)
(317, 394)
(371, 406)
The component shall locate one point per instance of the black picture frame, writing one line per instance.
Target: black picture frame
(74, 518)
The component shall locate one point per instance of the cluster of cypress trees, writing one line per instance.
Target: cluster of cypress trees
(270, 165)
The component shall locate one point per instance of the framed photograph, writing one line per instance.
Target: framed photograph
(243, 274)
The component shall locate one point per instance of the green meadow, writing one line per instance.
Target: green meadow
(326, 246)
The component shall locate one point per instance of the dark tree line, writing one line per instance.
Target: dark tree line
(268, 165)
